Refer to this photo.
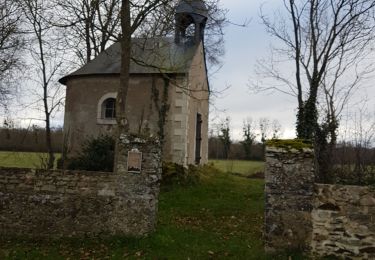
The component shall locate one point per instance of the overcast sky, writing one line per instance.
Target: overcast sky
(244, 45)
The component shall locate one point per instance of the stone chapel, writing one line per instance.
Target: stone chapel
(168, 83)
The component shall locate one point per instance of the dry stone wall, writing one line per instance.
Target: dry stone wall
(289, 179)
(344, 221)
(40, 203)
(326, 220)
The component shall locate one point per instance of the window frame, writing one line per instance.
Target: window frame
(106, 109)
(101, 120)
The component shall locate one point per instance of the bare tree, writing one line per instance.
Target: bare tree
(89, 25)
(224, 136)
(363, 140)
(354, 156)
(325, 41)
(264, 128)
(10, 44)
(46, 62)
(249, 136)
(276, 129)
(8, 125)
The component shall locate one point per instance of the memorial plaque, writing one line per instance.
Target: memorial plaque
(134, 161)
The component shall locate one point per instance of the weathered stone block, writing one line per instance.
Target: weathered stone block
(345, 215)
(289, 187)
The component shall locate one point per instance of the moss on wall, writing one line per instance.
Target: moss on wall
(288, 144)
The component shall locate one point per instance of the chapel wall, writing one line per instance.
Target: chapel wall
(198, 96)
(83, 94)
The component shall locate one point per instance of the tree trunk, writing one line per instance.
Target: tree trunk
(325, 143)
(51, 156)
(307, 117)
(122, 124)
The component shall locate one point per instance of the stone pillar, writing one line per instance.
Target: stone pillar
(289, 188)
(138, 188)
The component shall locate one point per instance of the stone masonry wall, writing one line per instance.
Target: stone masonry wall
(289, 179)
(344, 221)
(140, 189)
(327, 220)
(39, 203)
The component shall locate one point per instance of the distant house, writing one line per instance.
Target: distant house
(174, 66)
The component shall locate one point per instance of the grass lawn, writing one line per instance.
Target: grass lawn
(220, 217)
(237, 166)
(22, 159)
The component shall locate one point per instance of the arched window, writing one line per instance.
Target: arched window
(109, 108)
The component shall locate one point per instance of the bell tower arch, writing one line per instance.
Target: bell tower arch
(190, 17)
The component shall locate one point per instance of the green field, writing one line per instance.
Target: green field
(34, 160)
(237, 166)
(220, 217)
(23, 159)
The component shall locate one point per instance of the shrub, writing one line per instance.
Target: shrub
(97, 154)
(174, 173)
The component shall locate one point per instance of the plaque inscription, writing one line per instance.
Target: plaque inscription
(134, 161)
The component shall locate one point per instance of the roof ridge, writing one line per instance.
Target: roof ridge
(166, 58)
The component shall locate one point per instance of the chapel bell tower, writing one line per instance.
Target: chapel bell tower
(191, 17)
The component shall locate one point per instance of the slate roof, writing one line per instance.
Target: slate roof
(192, 7)
(161, 55)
